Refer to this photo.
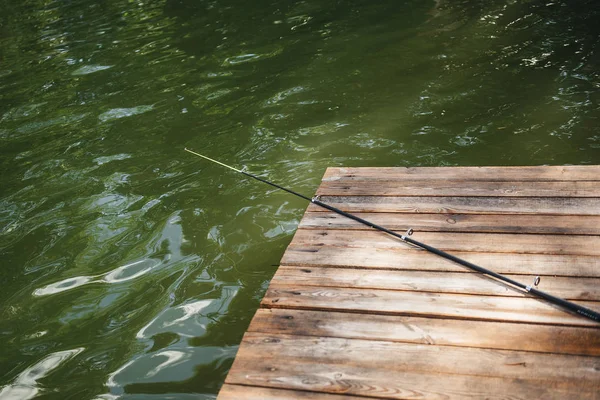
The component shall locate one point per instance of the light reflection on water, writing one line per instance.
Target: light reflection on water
(118, 275)
(115, 241)
(25, 386)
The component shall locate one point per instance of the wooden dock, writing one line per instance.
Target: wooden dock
(354, 313)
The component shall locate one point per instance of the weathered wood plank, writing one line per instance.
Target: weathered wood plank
(523, 174)
(354, 313)
(484, 223)
(579, 371)
(458, 188)
(437, 282)
(242, 392)
(410, 259)
(382, 382)
(464, 205)
(443, 305)
(458, 241)
(463, 333)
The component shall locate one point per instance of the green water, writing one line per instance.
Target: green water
(131, 269)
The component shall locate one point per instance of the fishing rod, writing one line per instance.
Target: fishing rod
(531, 289)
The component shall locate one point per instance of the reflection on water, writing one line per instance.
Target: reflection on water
(115, 240)
(90, 69)
(25, 386)
(250, 57)
(118, 275)
(117, 113)
(190, 319)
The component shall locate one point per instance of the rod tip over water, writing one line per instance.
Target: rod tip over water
(212, 160)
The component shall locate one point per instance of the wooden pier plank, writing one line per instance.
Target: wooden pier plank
(574, 370)
(481, 223)
(464, 205)
(379, 381)
(464, 242)
(440, 305)
(244, 392)
(421, 330)
(411, 259)
(571, 288)
(461, 188)
(472, 174)
(354, 313)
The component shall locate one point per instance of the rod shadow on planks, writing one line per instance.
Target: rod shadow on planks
(531, 289)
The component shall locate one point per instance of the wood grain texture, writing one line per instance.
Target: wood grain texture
(481, 223)
(243, 392)
(436, 282)
(463, 242)
(411, 259)
(464, 205)
(355, 313)
(439, 305)
(473, 174)
(458, 188)
(579, 371)
(463, 333)
(380, 381)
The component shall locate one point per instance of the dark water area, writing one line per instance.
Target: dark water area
(131, 269)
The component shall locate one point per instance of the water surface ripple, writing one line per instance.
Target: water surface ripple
(130, 269)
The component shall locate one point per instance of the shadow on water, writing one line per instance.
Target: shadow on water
(131, 269)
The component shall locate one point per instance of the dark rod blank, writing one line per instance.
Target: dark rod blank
(583, 311)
